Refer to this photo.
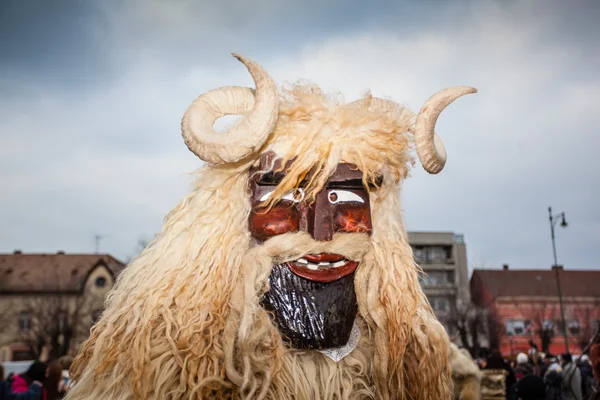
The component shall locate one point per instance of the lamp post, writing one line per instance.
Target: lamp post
(553, 220)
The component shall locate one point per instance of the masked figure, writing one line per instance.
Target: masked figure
(286, 272)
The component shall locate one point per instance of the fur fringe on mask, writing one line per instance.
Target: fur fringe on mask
(184, 321)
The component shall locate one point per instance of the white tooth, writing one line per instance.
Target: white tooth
(312, 266)
(339, 264)
(301, 261)
(324, 264)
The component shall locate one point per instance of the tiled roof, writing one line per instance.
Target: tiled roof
(50, 272)
(512, 283)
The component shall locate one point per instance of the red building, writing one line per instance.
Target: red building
(523, 306)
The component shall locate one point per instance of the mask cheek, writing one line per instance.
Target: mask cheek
(352, 218)
(276, 221)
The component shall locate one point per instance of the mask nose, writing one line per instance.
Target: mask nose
(320, 218)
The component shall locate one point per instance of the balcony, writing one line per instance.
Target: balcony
(425, 261)
(433, 255)
(442, 280)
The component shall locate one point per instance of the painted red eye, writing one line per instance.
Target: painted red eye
(349, 218)
(276, 221)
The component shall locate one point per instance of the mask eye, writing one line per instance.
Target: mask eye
(295, 196)
(344, 196)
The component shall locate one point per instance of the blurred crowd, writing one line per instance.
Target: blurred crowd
(41, 381)
(538, 376)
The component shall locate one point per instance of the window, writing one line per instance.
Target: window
(432, 254)
(437, 278)
(516, 327)
(436, 254)
(441, 304)
(560, 327)
(573, 327)
(419, 254)
(459, 238)
(24, 321)
(100, 281)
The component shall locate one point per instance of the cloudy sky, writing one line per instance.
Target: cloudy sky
(92, 93)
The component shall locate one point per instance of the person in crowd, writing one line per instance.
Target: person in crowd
(36, 373)
(595, 364)
(496, 361)
(65, 362)
(553, 381)
(553, 365)
(587, 375)
(571, 378)
(523, 368)
(33, 392)
(52, 383)
(544, 364)
(530, 387)
(533, 350)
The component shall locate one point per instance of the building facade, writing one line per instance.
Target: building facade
(48, 302)
(443, 258)
(524, 306)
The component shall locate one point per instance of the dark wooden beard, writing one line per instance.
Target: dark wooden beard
(311, 315)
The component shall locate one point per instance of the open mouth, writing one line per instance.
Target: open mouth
(323, 267)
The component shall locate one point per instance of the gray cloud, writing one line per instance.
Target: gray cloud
(96, 148)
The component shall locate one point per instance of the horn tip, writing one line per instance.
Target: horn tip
(239, 57)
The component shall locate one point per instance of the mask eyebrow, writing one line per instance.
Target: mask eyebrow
(356, 184)
(274, 179)
(271, 178)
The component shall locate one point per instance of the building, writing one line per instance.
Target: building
(443, 258)
(48, 302)
(524, 306)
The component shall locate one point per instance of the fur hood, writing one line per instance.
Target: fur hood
(462, 364)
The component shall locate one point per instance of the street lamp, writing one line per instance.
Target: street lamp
(553, 220)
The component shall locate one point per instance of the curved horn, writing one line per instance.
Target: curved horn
(244, 137)
(430, 148)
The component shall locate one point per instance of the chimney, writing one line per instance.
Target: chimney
(17, 252)
(505, 267)
(60, 252)
(557, 267)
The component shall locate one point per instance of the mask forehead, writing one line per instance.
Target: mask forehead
(270, 170)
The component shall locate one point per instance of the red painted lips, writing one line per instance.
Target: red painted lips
(323, 267)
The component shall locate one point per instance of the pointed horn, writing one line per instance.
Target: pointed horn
(430, 148)
(247, 135)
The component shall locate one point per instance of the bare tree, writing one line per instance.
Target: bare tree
(589, 315)
(56, 320)
(541, 316)
(495, 328)
(53, 320)
(8, 315)
(469, 321)
(493, 324)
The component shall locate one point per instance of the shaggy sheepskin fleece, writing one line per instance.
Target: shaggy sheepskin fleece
(466, 376)
(184, 320)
